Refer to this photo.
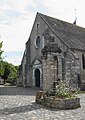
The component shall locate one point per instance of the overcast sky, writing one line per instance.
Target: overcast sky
(17, 17)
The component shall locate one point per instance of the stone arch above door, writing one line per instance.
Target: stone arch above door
(36, 61)
(37, 73)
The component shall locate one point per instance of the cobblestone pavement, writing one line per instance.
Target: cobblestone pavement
(17, 103)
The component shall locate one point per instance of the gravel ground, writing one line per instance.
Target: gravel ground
(17, 103)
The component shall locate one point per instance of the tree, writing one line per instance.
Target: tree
(1, 68)
(1, 51)
(13, 74)
(6, 71)
(1, 60)
(10, 72)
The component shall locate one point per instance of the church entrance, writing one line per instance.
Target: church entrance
(37, 77)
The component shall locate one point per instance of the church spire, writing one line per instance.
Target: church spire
(75, 18)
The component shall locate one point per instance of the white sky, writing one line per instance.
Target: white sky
(17, 17)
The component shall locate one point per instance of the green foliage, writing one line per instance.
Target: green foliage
(6, 70)
(13, 73)
(10, 72)
(1, 60)
(62, 91)
(1, 51)
(1, 68)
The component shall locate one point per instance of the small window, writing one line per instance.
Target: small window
(37, 26)
(83, 60)
(37, 42)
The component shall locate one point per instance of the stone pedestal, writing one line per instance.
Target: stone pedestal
(52, 65)
(57, 103)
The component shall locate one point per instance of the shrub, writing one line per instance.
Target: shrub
(62, 91)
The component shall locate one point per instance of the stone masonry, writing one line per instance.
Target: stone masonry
(59, 66)
(51, 65)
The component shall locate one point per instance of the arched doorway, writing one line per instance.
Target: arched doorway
(37, 77)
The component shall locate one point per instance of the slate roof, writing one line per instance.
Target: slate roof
(71, 35)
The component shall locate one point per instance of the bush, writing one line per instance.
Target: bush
(62, 91)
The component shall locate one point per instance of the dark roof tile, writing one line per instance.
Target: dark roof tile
(72, 35)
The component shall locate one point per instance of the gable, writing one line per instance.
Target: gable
(71, 35)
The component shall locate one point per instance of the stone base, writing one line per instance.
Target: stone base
(54, 102)
(19, 85)
(82, 87)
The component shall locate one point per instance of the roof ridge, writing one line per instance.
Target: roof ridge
(70, 35)
(60, 20)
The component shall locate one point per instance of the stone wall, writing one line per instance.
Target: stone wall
(19, 80)
(72, 69)
(48, 72)
(52, 70)
(57, 103)
(52, 66)
(58, 65)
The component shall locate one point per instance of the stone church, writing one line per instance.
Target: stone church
(54, 51)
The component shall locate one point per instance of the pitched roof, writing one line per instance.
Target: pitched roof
(71, 35)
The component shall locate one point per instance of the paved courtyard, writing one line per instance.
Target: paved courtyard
(17, 103)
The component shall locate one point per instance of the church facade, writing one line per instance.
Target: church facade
(54, 51)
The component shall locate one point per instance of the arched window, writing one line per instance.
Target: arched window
(37, 42)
